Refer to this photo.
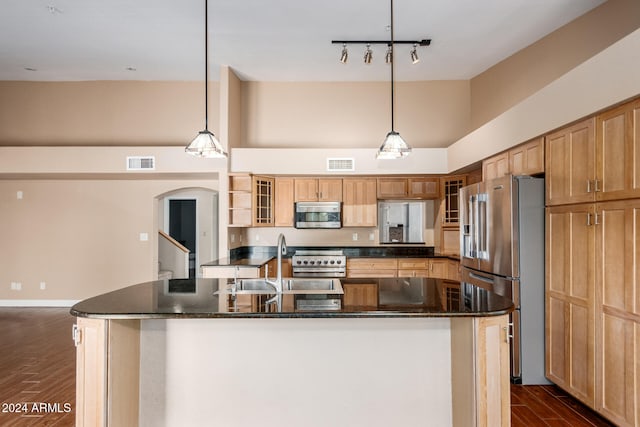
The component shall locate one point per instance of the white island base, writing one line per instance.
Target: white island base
(412, 371)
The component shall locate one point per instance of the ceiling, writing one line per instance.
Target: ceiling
(275, 40)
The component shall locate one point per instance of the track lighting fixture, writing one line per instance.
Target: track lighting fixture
(368, 55)
(414, 55)
(345, 54)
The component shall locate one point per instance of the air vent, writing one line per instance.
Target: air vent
(344, 164)
(141, 163)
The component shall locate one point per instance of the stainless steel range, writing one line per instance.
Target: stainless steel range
(319, 263)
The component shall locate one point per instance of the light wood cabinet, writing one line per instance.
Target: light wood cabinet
(524, 159)
(453, 270)
(423, 188)
(318, 190)
(413, 267)
(263, 199)
(618, 152)
(570, 300)
(284, 202)
(251, 200)
(451, 186)
(107, 372)
(372, 267)
(408, 188)
(617, 285)
(570, 163)
(495, 166)
(240, 200)
(360, 205)
(593, 305)
(360, 294)
(527, 158)
(480, 372)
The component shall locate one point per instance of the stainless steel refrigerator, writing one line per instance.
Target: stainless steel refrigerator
(401, 222)
(502, 249)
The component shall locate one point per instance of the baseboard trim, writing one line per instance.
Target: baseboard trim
(37, 302)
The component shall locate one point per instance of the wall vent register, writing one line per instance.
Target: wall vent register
(343, 164)
(138, 163)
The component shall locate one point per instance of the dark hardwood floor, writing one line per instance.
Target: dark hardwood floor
(37, 369)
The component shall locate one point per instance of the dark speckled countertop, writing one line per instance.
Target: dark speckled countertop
(196, 298)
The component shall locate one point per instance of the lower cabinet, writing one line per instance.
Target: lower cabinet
(480, 355)
(593, 305)
(360, 294)
(107, 372)
(372, 267)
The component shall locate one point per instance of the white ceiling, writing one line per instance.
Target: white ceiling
(274, 40)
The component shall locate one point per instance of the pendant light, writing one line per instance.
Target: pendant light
(206, 144)
(393, 147)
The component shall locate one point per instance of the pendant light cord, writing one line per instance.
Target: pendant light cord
(392, 66)
(206, 65)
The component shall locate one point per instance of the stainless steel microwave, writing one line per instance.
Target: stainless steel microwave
(318, 215)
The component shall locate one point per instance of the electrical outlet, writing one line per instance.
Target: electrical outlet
(144, 237)
(354, 236)
(43, 286)
(372, 236)
(233, 238)
(18, 286)
(257, 237)
(19, 195)
(13, 286)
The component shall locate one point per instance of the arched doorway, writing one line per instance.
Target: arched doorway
(190, 217)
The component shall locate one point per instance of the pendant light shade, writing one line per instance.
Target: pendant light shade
(206, 144)
(393, 147)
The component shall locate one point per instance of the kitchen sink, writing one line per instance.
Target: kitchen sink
(322, 286)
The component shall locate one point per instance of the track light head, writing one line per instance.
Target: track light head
(368, 55)
(414, 55)
(344, 55)
(388, 57)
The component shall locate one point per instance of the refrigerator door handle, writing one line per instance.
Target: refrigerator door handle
(482, 226)
(481, 278)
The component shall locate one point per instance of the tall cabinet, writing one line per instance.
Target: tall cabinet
(593, 256)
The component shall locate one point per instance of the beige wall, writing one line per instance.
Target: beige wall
(354, 115)
(80, 237)
(104, 112)
(529, 70)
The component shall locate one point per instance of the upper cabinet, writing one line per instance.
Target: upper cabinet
(360, 206)
(596, 159)
(318, 189)
(524, 159)
(527, 158)
(240, 187)
(408, 188)
(495, 166)
(617, 153)
(284, 202)
(570, 162)
(263, 198)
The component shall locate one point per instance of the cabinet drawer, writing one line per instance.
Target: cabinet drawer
(371, 274)
(413, 273)
(413, 263)
(372, 263)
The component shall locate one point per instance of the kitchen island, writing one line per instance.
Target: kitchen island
(190, 353)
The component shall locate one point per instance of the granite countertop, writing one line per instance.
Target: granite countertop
(196, 298)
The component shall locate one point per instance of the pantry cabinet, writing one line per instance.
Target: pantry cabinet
(593, 305)
(570, 300)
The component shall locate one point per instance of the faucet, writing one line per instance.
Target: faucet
(282, 250)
